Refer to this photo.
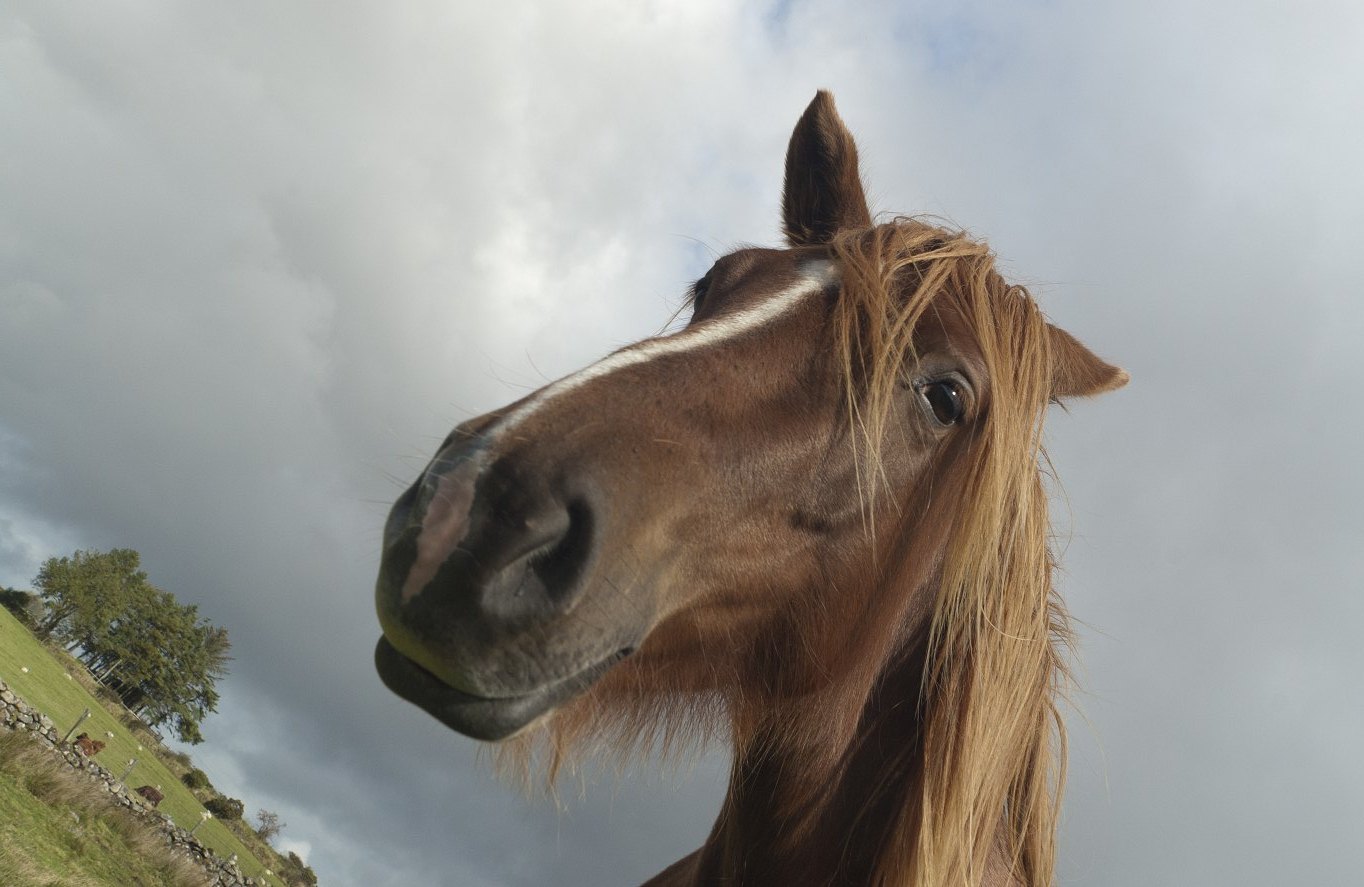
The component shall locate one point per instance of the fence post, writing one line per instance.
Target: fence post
(80, 720)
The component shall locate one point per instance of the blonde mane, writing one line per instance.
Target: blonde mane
(993, 741)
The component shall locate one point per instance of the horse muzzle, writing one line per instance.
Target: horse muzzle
(485, 559)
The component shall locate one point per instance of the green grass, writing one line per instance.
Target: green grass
(47, 688)
(60, 829)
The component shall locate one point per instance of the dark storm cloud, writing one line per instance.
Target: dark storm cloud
(256, 261)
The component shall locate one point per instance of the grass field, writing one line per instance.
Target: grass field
(60, 829)
(47, 687)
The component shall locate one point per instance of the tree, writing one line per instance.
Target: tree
(172, 661)
(84, 592)
(158, 655)
(268, 825)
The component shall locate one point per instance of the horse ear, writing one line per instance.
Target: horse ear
(1076, 371)
(823, 191)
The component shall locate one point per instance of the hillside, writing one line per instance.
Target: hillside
(60, 829)
(62, 690)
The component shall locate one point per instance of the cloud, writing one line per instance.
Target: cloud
(255, 261)
(302, 848)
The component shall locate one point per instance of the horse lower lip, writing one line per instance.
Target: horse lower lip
(479, 717)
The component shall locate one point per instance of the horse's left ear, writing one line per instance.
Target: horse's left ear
(823, 193)
(1076, 371)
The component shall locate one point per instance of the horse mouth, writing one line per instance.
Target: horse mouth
(480, 717)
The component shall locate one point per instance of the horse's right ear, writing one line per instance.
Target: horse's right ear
(1078, 372)
(823, 192)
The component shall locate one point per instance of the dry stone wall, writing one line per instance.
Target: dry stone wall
(15, 714)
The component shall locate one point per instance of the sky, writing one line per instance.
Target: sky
(257, 259)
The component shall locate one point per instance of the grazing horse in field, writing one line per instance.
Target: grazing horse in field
(812, 522)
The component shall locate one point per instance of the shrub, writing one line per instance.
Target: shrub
(225, 808)
(295, 872)
(196, 779)
(26, 606)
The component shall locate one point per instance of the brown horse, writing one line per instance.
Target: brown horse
(813, 522)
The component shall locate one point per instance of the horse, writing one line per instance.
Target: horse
(811, 522)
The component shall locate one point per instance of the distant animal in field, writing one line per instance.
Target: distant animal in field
(150, 794)
(813, 523)
(87, 746)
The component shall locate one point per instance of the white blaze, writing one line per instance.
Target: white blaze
(712, 332)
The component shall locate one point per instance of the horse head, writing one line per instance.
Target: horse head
(762, 509)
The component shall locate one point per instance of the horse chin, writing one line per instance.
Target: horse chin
(490, 719)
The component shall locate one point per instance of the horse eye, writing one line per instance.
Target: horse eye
(945, 399)
(698, 291)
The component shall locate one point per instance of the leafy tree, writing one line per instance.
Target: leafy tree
(268, 825)
(172, 660)
(84, 592)
(158, 655)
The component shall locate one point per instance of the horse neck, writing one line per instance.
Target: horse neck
(811, 802)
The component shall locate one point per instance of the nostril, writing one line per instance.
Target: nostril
(486, 542)
(529, 538)
(539, 576)
(561, 567)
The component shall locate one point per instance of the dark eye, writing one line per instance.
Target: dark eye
(699, 290)
(945, 399)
